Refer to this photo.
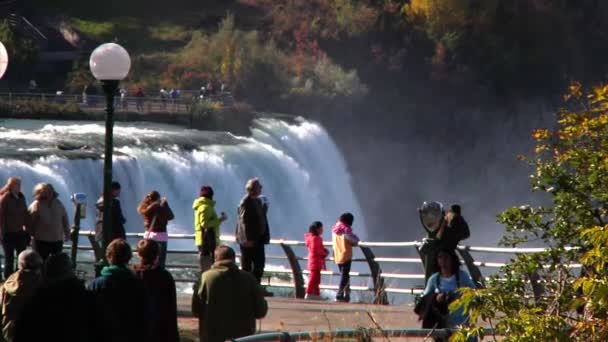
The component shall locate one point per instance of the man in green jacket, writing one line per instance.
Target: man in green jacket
(228, 300)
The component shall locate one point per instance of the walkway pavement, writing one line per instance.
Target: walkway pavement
(290, 314)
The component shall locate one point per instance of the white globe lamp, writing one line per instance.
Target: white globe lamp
(3, 59)
(110, 62)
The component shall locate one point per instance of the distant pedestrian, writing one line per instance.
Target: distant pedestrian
(123, 98)
(121, 305)
(316, 259)
(13, 216)
(32, 86)
(139, 99)
(163, 98)
(343, 240)
(156, 213)
(160, 288)
(252, 231)
(206, 226)
(61, 310)
(18, 290)
(48, 221)
(118, 220)
(228, 301)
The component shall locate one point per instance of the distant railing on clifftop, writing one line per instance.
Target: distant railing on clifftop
(148, 104)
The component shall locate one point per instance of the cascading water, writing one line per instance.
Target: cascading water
(304, 175)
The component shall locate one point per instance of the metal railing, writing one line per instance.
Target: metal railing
(295, 272)
(147, 104)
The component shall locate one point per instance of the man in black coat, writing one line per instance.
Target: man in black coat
(252, 231)
(118, 220)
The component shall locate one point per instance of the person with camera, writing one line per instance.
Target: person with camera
(156, 213)
(206, 226)
(441, 290)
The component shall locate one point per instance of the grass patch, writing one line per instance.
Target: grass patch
(101, 30)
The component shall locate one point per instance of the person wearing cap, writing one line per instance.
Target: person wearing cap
(18, 290)
(118, 220)
(206, 226)
(454, 229)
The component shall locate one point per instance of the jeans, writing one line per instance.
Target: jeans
(344, 288)
(162, 253)
(13, 243)
(46, 248)
(253, 259)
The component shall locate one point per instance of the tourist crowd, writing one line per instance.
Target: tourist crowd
(45, 300)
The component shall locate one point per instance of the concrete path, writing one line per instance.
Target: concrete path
(293, 315)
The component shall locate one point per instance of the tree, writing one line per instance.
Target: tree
(22, 51)
(571, 165)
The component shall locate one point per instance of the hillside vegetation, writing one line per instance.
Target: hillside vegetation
(274, 52)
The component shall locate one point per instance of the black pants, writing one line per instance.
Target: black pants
(344, 288)
(253, 259)
(13, 244)
(46, 248)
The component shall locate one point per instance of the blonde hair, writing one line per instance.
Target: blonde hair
(252, 183)
(44, 189)
(9, 183)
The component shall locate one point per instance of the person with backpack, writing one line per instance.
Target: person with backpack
(441, 290)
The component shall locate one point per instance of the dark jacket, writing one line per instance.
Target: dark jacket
(61, 310)
(118, 221)
(157, 216)
(13, 213)
(160, 288)
(455, 232)
(121, 305)
(229, 301)
(252, 225)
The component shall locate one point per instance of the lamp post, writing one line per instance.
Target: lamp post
(3, 59)
(109, 64)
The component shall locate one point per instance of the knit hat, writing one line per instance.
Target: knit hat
(206, 191)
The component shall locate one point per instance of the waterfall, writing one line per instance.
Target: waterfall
(303, 174)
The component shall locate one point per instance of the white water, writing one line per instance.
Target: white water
(303, 174)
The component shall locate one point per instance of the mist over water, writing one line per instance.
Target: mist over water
(303, 174)
(465, 155)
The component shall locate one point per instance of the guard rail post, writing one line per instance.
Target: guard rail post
(473, 269)
(296, 270)
(376, 272)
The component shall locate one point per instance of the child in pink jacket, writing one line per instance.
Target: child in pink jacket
(316, 259)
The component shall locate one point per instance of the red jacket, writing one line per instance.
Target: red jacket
(316, 252)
